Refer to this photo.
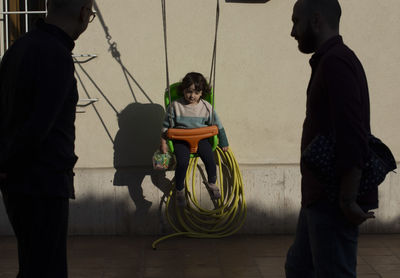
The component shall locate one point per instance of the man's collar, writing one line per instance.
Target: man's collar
(64, 38)
(325, 47)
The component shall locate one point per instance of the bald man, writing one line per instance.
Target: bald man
(38, 97)
(337, 105)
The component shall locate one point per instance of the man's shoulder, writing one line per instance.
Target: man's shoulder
(340, 57)
(26, 41)
(33, 37)
(39, 42)
(340, 51)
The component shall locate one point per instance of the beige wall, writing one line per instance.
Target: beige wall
(261, 76)
(260, 97)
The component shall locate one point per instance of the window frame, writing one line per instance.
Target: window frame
(5, 13)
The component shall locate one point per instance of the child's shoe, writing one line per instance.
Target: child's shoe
(180, 198)
(214, 191)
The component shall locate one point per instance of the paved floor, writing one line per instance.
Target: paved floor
(236, 257)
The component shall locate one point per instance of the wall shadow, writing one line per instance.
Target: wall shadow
(136, 141)
(116, 54)
(138, 136)
(109, 215)
(259, 221)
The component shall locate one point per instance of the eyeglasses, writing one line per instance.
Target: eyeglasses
(92, 14)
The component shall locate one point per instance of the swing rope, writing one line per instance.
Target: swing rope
(164, 17)
(213, 60)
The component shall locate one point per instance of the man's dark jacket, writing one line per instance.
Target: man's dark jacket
(337, 105)
(38, 97)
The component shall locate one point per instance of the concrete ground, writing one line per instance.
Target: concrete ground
(235, 257)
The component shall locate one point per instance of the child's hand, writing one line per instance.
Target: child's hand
(225, 149)
(163, 146)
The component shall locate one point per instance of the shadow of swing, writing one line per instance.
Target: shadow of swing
(138, 136)
(135, 142)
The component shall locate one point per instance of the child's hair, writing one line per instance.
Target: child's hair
(200, 84)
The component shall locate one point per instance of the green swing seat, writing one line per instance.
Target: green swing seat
(173, 90)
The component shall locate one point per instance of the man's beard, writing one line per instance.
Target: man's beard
(308, 42)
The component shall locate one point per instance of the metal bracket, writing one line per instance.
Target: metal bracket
(88, 57)
(86, 102)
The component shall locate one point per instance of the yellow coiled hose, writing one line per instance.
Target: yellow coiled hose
(228, 214)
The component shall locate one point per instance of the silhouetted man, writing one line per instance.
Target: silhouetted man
(38, 97)
(337, 105)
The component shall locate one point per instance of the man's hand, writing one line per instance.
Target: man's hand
(348, 195)
(354, 213)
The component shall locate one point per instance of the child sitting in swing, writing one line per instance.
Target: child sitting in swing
(192, 111)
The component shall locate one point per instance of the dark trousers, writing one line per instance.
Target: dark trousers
(40, 225)
(325, 245)
(182, 153)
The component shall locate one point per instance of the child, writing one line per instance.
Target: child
(192, 111)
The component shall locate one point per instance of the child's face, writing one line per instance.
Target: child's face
(191, 95)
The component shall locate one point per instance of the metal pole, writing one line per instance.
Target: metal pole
(26, 16)
(23, 12)
(6, 16)
(84, 55)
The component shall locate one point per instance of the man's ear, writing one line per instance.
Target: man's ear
(82, 14)
(316, 21)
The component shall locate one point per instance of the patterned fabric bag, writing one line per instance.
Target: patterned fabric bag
(319, 157)
(163, 161)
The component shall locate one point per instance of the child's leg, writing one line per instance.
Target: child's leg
(182, 153)
(206, 154)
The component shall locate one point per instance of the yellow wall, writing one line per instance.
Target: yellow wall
(261, 75)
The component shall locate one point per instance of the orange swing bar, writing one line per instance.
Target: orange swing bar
(193, 135)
